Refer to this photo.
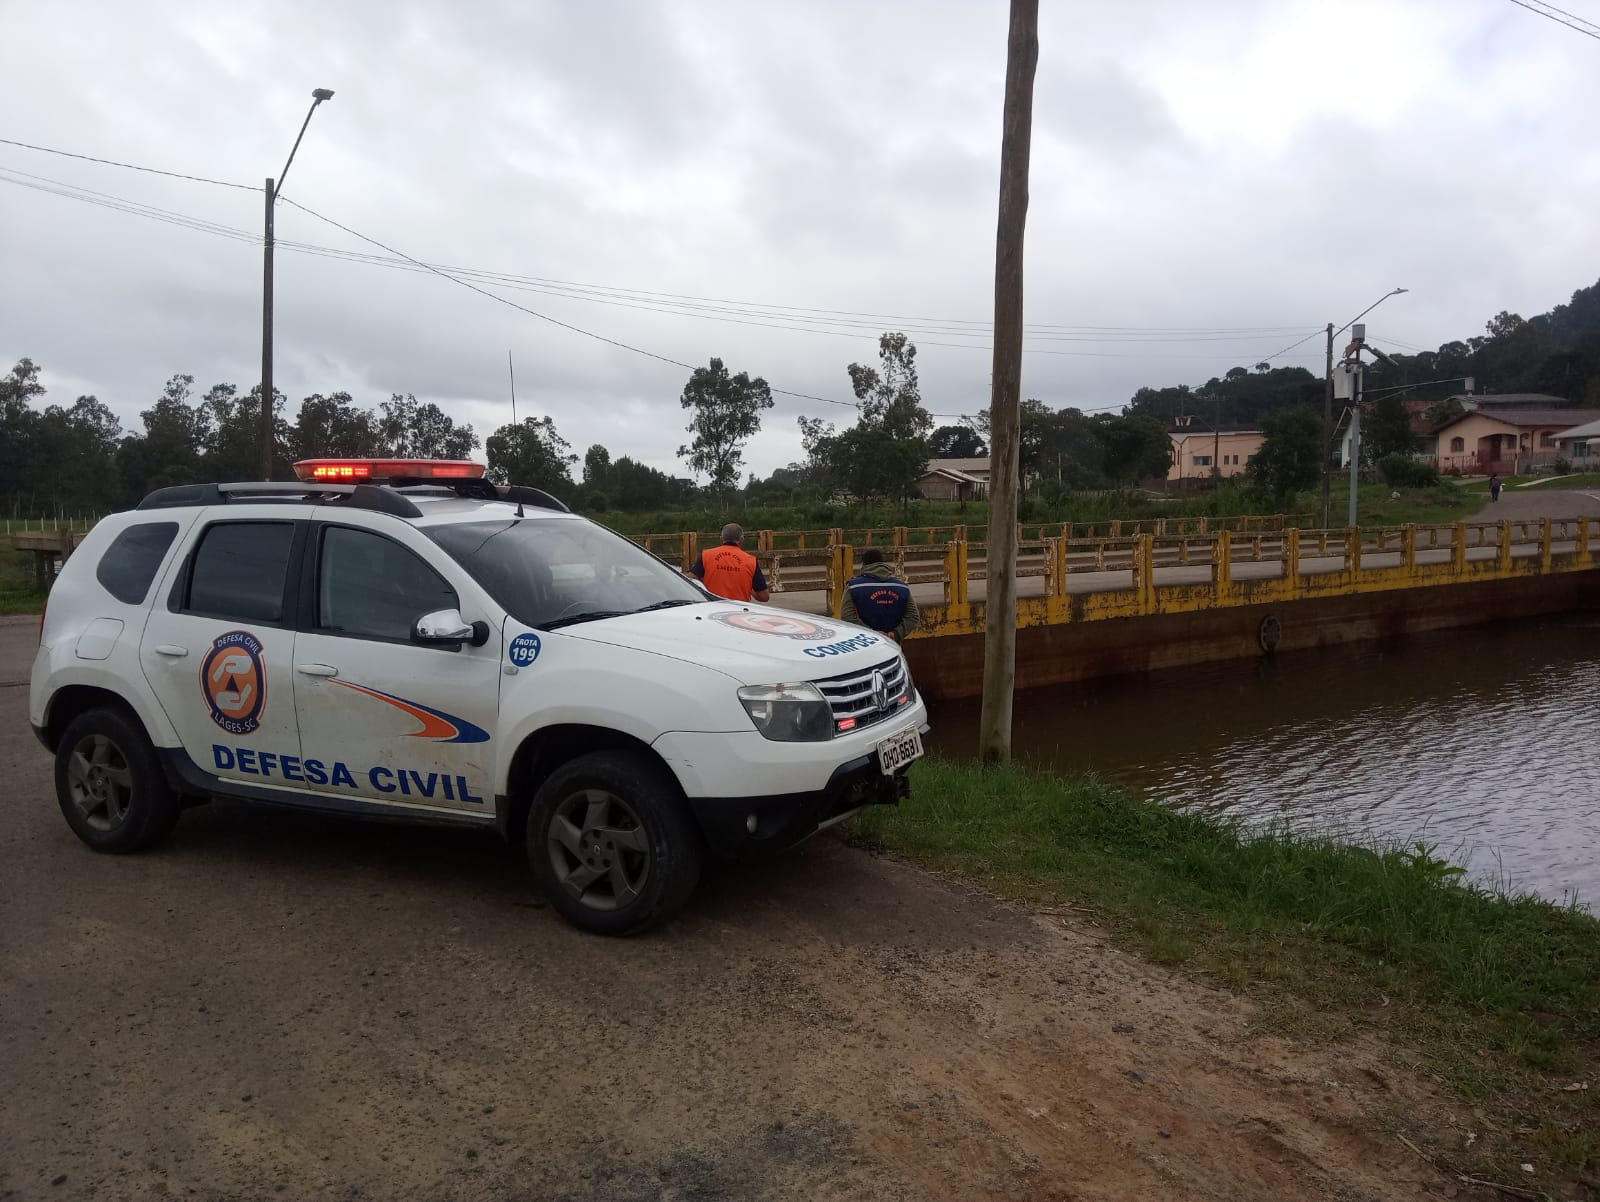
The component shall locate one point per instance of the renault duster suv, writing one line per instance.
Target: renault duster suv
(404, 640)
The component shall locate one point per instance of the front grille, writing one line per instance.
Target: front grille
(856, 695)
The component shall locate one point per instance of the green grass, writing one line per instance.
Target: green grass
(1578, 480)
(18, 594)
(1377, 506)
(1500, 995)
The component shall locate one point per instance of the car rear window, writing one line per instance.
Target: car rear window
(130, 563)
(240, 570)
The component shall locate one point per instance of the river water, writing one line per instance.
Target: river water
(1483, 743)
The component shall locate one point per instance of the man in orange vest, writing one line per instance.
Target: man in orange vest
(729, 570)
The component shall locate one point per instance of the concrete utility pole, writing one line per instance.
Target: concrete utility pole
(1000, 601)
(1355, 429)
(1327, 433)
(1355, 410)
(267, 415)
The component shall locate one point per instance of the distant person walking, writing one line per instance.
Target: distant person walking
(1494, 487)
(878, 599)
(729, 570)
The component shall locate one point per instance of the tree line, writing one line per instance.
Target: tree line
(72, 458)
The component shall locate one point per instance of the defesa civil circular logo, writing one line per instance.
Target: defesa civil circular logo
(233, 680)
(784, 625)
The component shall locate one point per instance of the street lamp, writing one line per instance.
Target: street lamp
(318, 95)
(1327, 399)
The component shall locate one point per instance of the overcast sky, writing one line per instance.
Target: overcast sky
(1217, 179)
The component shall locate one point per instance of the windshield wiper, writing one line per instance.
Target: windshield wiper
(592, 616)
(672, 604)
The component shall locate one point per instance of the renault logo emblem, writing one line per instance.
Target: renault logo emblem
(880, 691)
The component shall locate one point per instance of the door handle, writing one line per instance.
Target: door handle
(316, 669)
(171, 650)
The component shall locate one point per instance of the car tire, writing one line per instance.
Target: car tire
(110, 785)
(611, 845)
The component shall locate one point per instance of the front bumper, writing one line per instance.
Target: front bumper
(751, 825)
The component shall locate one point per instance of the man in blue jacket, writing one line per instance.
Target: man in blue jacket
(878, 599)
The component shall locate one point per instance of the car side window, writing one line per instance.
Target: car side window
(369, 586)
(240, 571)
(130, 562)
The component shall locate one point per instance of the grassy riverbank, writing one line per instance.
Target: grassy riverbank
(1497, 995)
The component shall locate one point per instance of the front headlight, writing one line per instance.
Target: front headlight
(789, 713)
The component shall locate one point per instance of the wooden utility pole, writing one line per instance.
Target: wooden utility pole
(1000, 601)
(264, 418)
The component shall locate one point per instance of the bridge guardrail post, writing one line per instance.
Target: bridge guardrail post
(956, 591)
(1408, 549)
(1222, 564)
(1458, 549)
(691, 549)
(1145, 558)
(1545, 536)
(1352, 551)
(841, 563)
(1585, 554)
(1291, 560)
(1503, 560)
(763, 540)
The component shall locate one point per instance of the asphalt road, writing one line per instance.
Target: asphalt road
(273, 1005)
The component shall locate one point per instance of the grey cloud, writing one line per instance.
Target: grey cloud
(839, 156)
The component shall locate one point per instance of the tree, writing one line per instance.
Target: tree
(1390, 432)
(532, 453)
(17, 428)
(885, 453)
(1290, 458)
(72, 458)
(956, 442)
(635, 487)
(332, 426)
(1136, 448)
(409, 429)
(233, 450)
(1446, 410)
(175, 437)
(727, 414)
(596, 466)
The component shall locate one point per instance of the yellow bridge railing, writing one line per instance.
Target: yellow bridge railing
(1067, 578)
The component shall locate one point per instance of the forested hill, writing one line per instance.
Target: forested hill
(1556, 353)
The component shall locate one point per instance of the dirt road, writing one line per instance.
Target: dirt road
(280, 1006)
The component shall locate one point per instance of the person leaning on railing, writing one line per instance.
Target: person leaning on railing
(878, 599)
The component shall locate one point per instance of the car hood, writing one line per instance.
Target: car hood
(755, 644)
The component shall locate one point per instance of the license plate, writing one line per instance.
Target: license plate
(899, 750)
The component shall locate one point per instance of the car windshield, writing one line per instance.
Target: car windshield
(558, 573)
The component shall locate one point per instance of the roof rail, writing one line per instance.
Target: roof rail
(483, 490)
(179, 496)
(382, 498)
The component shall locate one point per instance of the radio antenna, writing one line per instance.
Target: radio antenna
(511, 367)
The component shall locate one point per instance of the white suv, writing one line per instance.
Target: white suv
(402, 639)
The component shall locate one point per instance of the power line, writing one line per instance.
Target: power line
(949, 325)
(399, 260)
(89, 158)
(471, 287)
(1560, 16)
(107, 201)
(1292, 346)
